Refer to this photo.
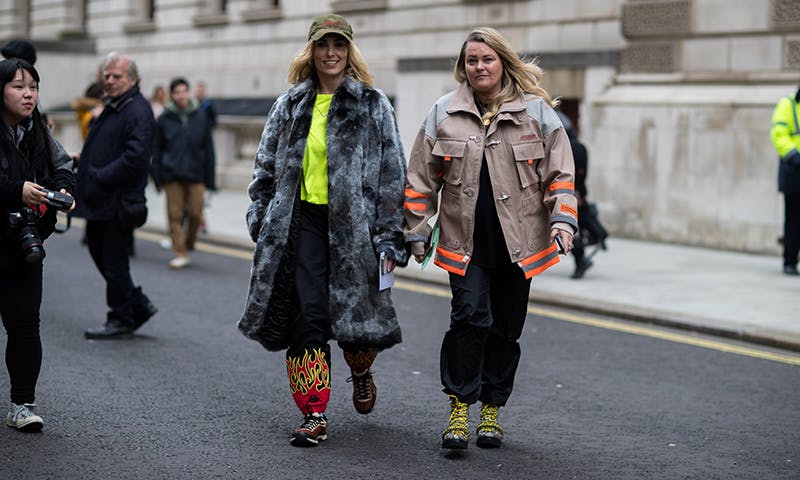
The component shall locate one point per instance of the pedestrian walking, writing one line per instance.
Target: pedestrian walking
(110, 193)
(158, 100)
(785, 135)
(30, 160)
(183, 166)
(327, 195)
(497, 153)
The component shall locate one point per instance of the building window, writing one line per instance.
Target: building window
(144, 17)
(213, 13)
(261, 10)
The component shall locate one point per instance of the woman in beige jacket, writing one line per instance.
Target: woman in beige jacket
(496, 152)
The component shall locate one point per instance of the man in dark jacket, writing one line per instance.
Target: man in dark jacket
(183, 165)
(112, 173)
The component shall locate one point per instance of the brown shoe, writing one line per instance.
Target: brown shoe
(313, 430)
(365, 393)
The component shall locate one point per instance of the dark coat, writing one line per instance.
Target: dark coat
(184, 152)
(15, 169)
(366, 174)
(116, 156)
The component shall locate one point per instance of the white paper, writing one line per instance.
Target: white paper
(386, 279)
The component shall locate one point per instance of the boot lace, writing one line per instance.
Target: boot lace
(458, 418)
(311, 422)
(489, 419)
(361, 385)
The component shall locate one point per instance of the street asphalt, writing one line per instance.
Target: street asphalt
(189, 398)
(736, 295)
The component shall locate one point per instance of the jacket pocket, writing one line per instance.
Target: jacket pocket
(526, 158)
(452, 154)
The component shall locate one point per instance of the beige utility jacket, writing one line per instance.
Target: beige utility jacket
(531, 169)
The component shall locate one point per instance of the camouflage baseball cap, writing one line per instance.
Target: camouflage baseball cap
(330, 23)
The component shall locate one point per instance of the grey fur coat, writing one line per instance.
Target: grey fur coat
(366, 177)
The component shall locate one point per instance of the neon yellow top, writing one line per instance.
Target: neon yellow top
(314, 185)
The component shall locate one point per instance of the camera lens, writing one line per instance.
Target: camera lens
(31, 244)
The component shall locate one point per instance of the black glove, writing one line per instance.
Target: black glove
(793, 158)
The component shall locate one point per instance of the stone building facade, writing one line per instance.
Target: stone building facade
(673, 97)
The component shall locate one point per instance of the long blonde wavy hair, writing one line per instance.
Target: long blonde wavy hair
(302, 65)
(521, 77)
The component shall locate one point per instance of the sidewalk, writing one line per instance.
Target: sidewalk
(731, 294)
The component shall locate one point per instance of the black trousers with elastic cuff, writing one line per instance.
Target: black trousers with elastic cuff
(480, 352)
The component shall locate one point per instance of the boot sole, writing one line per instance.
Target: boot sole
(302, 440)
(454, 444)
(488, 442)
(28, 427)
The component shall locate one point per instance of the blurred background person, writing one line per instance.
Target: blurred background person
(785, 134)
(158, 100)
(110, 193)
(183, 166)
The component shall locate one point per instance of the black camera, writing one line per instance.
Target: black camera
(58, 200)
(24, 224)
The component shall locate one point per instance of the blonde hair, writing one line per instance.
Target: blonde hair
(302, 65)
(521, 77)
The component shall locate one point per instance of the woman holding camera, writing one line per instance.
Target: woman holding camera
(30, 160)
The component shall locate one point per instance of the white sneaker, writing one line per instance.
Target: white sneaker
(179, 262)
(21, 418)
(165, 243)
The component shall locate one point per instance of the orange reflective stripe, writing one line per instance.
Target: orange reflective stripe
(547, 251)
(412, 194)
(542, 268)
(414, 206)
(562, 185)
(450, 261)
(541, 261)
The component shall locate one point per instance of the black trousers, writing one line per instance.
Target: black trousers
(20, 299)
(110, 247)
(791, 228)
(480, 352)
(312, 322)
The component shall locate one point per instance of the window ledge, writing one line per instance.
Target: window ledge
(345, 6)
(259, 14)
(210, 19)
(139, 26)
(73, 32)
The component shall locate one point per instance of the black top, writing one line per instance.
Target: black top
(489, 244)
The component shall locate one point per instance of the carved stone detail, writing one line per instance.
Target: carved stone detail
(791, 51)
(656, 18)
(650, 58)
(785, 14)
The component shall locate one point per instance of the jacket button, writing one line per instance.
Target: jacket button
(456, 243)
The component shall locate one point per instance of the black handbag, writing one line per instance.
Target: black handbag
(132, 212)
